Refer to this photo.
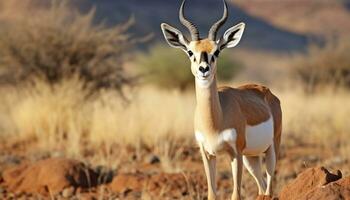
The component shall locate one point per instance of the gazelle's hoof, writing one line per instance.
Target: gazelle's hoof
(211, 197)
(264, 197)
(235, 197)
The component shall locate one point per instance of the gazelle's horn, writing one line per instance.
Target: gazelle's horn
(189, 25)
(215, 28)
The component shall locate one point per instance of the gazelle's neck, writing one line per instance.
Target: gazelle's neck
(208, 116)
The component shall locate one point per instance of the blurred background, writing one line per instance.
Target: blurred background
(94, 80)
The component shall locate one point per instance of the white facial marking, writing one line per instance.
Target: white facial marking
(204, 83)
(259, 138)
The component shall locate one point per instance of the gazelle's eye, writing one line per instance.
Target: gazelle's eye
(212, 59)
(190, 53)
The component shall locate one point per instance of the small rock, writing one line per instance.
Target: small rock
(68, 192)
(336, 161)
(225, 175)
(311, 158)
(57, 154)
(290, 175)
(153, 159)
(11, 160)
(22, 198)
(11, 195)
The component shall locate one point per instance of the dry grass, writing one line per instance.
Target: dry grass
(320, 118)
(60, 118)
(327, 66)
(151, 116)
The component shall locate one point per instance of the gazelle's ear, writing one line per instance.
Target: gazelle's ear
(232, 36)
(174, 37)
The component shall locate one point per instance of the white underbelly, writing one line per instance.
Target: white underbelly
(259, 138)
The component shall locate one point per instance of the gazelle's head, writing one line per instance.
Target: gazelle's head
(203, 53)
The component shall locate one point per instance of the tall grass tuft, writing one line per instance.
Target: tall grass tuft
(327, 65)
(54, 42)
(60, 118)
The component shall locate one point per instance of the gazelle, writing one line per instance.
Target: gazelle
(245, 121)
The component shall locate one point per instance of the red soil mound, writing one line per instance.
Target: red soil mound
(63, 177)
(49, 176)
(317, 183)
(124, 183)
(333, 191)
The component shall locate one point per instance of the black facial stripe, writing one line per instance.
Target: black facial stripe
(190, 53)
(204, 57)
(216, 53)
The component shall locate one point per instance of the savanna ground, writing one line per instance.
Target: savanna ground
(64, 95)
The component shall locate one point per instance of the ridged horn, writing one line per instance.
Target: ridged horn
(189, 25)
(215, 28)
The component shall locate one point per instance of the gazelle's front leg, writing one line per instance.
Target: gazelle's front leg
(236, 165)
(209, 162)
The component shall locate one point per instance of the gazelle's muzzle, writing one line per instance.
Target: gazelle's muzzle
(203, 71)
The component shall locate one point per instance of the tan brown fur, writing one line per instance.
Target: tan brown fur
(204, 46)
(237, 107)
(273, 104)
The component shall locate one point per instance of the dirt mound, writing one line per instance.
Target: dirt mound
(317, 183)
(176, 185)
(69, 178)
(333, 191)
(124, 183)
(49, 177)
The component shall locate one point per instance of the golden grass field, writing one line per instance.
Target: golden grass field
(141, 145)
(58, 122)
(150, 116)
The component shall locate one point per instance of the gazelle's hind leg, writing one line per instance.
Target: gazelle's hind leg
(209, 162)
(253, 165)
(270, 168)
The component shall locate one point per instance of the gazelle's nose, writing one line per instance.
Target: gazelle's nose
(203, 70)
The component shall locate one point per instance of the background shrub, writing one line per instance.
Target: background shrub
(327, 65)
(170, 68)
(55, 42)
